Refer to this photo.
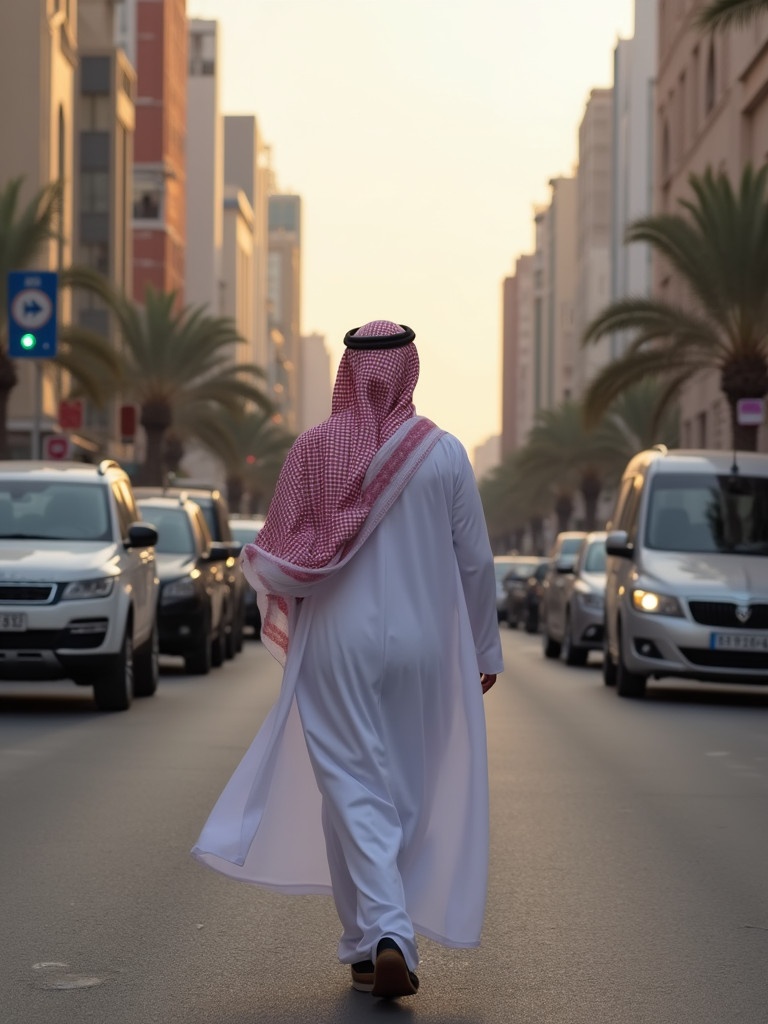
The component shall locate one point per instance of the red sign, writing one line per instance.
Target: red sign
(71, 414)
(55, 447)
(127, 422)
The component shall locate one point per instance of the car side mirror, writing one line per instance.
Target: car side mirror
(617, 543)
(218, 552)
(141, 535)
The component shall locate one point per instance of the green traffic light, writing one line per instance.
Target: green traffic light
(28, 342)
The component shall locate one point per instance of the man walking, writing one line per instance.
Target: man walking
(375, 580)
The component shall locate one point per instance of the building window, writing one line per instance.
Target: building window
(94, 151)
(95, 76)
(148, 196)
(710, 86)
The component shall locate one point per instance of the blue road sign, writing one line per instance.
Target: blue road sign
(32, 314)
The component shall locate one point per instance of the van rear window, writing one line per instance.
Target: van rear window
(702, 512)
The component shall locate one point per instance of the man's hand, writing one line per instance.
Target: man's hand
(487, 680)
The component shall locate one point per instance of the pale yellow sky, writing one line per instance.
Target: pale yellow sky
(419, 133)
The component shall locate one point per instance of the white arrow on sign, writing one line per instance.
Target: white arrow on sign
(31, 309)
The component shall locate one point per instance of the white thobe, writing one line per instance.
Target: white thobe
(368, 778)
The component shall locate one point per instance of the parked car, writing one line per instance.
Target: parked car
(78, 586)
(501, 566)
(521, 591)
(214, 508)
(193, 586)
(576, 613)
(687, 570)
(562, 559)
(245, 530)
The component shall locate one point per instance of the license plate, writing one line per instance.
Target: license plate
(12, 623)
(738, 642)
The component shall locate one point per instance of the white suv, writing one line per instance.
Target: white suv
(78, 587)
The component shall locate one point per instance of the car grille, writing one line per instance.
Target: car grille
(27, 593)
(80, 633)
(726, 659)
(723, 613)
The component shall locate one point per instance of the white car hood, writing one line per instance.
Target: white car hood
(731, 576)
(53, 560)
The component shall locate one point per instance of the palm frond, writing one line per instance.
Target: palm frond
(721, 13)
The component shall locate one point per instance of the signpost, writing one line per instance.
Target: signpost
(56, 447)
(750, 412)
(32, 297)
(32, 314)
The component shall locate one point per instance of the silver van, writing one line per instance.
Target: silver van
(687, 570)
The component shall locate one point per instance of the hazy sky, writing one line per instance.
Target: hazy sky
(420, 134)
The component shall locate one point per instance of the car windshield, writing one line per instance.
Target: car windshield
(246, 534)
(174, 533)
(53, 510)
(522, 570)
(705, 513)
(209, 514)
(594, 559)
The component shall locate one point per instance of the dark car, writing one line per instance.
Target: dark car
(520, 585)
(562, 559)
(193, 588)
(246, 529)
(216, 512)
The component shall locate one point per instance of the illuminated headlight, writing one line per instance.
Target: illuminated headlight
(83, 590)
(591, 599)
(655, 604)
(178, 590)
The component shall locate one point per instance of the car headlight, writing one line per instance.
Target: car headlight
(178, 590)
(591, 599)
(83, 590)
(651, 603)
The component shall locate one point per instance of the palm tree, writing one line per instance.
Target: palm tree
(24, 234)
(562, 451)
(721, 13)
(176, 360)
(250, 444)
(719, 248)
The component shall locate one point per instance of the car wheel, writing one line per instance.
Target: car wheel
(551, 647)
(146, 673)
(113, 690)
(219, 650)
(609, 665)
(628, 684)
(198, 661)
(572, 654)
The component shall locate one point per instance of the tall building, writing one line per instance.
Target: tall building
(154, 35)
(205, 170)
(518, 357)
(594, 182)
(247, 168)
(635, 64)
(237, 269)
(711, 111)
(554, 296)
(38, 61)
(284, 288)
(105, 120)
(316, 385)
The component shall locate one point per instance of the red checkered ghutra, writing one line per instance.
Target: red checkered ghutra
(323, 500)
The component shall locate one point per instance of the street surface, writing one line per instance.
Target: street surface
(629, 878)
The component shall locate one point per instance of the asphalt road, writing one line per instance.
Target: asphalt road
(628, 876)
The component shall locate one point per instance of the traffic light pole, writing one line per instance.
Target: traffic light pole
(37, 414)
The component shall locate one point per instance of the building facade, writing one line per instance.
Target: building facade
(711, 110)
(38, 66)
(103, 239)
(284, 289)
(154, 35)
(205, 170)
(316, 381)
(635, 65)
(518, 357)
(594, 183)
(237, 269)
(247, 168)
